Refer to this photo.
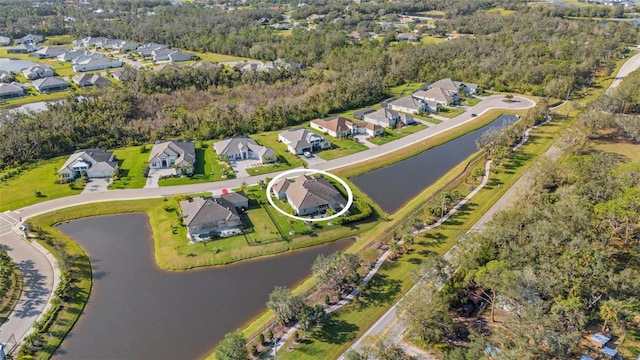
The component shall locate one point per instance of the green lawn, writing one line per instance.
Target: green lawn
(339, 147)
(58, 40)
(19, 191)
(501, 11)
(208, 167)
(470, 101)
(427, 39)
(628, 150)
(395, 134)
(280, 165)
(133, 160)
(270, 140)
(404, 89)
(58, 95)
(449, 112)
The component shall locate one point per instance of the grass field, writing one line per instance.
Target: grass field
(500, 11)
(270, 139)
(19, 191)
(339, 147)
(405, 89)
(215, 57)
(427, 39)
(395, 134)
(628, 150)
(470, 101)
(208, 167)
(132, 160)
(450, 112)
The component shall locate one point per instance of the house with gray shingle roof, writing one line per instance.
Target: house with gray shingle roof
(30, 39)
(309, 195)
(412, 105)
(94, 62)
(439, 95)
(95, 163)
(50, 84)
(243, 148)
(37, 72)
(388, 118)
(8, 91)
(455, 86)
(5, 41)
(206, 218)
(49, 52)
(73, 54)
(23, 49)
(6, 76)
(177, 154)
(87, 80)
(301, 140)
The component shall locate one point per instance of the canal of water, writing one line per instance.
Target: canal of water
(392, 186)
(138, 311)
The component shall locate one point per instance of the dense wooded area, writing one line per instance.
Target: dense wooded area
(534, 50)
(563, 262)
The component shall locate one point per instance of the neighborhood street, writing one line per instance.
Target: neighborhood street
(19, 325)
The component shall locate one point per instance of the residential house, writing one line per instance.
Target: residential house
(87, 80)
(146, 50)
(237, 200)
(410, 37)
(300, 140)
(95, 163)
(361, 113)
(388, 118)
(49, 52)
(309, 195)
(412, 105)
(357, 35)
(37, 72)
(204, 65)
(455, 86)
(242, 148)
(206, 218)
(5, 41)
(50, 84)
(73, 54)
(180, 155)
(6, 76)
(339, 127)
(13, 90)
(94, 62)
(30, 39)
(441, 96)
(23, 49)
(127, 72)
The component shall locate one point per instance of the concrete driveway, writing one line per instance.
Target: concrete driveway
(240, 166)
(313, 160)
(363, 140)
(154, 176)
(96, 185)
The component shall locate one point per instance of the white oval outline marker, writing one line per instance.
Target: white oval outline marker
(310, 171)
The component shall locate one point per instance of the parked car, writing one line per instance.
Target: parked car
(308, 154)
(474, 115)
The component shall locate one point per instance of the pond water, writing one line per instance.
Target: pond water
(392, 186)
(137, 311)
(15, 65)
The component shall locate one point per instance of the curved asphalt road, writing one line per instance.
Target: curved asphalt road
(40, 272)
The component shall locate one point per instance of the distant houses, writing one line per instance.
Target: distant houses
(94, 163)
(243, 148)
(180, 155)
(309, 195)
(301, 140)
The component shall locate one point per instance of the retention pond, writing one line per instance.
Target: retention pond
(138, 311)
(392, 186)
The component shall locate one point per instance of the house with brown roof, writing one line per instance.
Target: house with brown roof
(177, 154)
(388, 118)
(207, 217)
(301, 140)
(243, 148)
(339, 127)
(309, 195)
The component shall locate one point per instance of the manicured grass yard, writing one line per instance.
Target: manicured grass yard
(628, 150)
(133, 160)
(286, 159)
(470, 101)
(450, 112)
(339, 147)
(208, 167)
(215, 57)
(395, 134)
(19, 191)
(405, 89)
(426, 39)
